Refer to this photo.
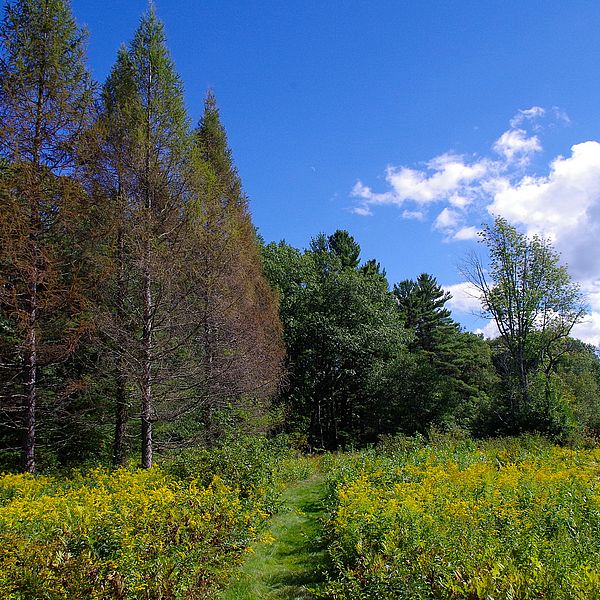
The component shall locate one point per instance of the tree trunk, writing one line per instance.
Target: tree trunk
(120, 419)
(29, 408)
(121, 377)
(147, 374)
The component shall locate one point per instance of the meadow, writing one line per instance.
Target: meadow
(174, 531)
(514, 518)
(446, 518)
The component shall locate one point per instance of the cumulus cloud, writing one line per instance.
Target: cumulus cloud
(465, 298)
(447, 220)
(516, 145)
(467, 233)
(490, 330)
(455, 178)
(563, 204)
(446, 176)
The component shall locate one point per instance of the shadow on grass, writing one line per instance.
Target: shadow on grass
(296, 561)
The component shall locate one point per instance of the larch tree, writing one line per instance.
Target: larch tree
(240, 336)
(140, 166)
(108, 157)
(45, 100)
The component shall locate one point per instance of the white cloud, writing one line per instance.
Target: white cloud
(465, 298)
(589, 329)
(467, 233)
(417, 215)
(489, 331)
(447, 219)
(563, 204)
(447, 175)
(528, 114)
(515, 145)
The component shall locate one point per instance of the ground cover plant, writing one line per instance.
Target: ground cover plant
(455, 519)
(174, 531)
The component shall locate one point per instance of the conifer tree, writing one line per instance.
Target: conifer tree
(241, 341)
(422, 306)
(140, 165)
(45, 97)
(450, 375)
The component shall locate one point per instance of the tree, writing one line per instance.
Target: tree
(138, 164)
(239, 337)
(45, 100)
(448, 376)
(534, 304)
(341, 325)
(421, 305)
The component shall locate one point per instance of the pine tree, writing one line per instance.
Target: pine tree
(451, 372)
(422, 306)
(45, 97)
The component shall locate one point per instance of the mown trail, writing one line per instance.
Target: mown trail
(294, 561)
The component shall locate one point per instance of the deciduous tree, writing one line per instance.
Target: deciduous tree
(45, 98)
(533, 302)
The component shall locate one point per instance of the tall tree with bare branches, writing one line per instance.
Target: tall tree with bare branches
(140, 165)
(45, 97)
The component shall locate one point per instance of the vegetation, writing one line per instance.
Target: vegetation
(144, 321)
(535, 305)
(504, 519)
(129, 533)
(132, 297)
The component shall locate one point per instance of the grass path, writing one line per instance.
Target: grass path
(294, 562)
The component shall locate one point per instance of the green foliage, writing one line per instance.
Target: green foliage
(534, 304)
(120, 535)
(255, 465)
(448, 378)
(503, 519)
(340, 326)
(45, 89)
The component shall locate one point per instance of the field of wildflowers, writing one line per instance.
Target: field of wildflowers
(163, 533)
(505, 519)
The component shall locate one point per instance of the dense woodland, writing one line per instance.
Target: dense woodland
(140, 311)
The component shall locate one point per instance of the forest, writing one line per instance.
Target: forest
(166, 369)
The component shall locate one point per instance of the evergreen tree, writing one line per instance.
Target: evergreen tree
(449, 374)
(45, 97)
(422, 307)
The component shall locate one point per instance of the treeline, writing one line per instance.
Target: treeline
(365, 361)
(132, 300)
(139, 310)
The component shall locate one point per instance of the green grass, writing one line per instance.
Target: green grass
(293, 562)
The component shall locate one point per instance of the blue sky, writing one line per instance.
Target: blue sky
(407, 123)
